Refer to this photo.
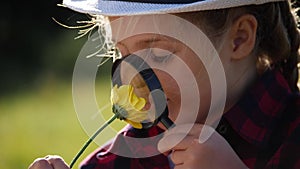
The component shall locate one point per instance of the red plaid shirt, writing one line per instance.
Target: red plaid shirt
(263, 128)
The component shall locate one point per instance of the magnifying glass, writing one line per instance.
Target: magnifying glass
(146, 76)
(149, 78)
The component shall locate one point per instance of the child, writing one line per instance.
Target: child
(260, 126)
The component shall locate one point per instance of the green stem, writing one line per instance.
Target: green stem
(91, 139)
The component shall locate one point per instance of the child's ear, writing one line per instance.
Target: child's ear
(243, 36)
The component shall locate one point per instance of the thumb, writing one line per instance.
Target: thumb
(57, 162)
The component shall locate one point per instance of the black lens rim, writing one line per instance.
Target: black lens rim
(150, 79)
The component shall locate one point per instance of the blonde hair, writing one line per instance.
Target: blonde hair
(277, 43)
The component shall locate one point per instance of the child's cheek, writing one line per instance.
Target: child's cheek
(172, 92)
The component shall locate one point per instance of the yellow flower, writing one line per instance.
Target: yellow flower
(128, 106)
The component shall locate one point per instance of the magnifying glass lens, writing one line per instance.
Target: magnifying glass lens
(144, 88)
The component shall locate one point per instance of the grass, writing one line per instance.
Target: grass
(42, 121)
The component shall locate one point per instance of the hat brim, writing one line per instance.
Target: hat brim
(123, 8)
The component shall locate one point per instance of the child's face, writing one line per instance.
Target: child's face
(166, 55)
(176, 66)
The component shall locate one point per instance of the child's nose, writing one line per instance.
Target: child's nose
(140, 87)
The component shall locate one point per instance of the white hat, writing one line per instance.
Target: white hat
(138, 7)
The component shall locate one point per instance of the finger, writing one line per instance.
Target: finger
(40, 163)
(178, 157)
(175, 142)
(206, 133)
(57, 162)
(203, 132)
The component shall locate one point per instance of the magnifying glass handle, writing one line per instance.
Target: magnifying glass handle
(167, 122)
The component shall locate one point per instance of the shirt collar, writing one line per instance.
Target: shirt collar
(129, 142)
(257, 114)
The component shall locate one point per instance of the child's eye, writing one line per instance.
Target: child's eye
(160, 55)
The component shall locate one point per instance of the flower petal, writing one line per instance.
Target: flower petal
(124, 99)
(137, 116)
(123, 95)
(114, 95)
(134, 124)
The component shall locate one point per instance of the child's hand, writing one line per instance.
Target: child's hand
(215, 153)
(49, 162)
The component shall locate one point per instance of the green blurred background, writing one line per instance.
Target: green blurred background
(37, 115)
